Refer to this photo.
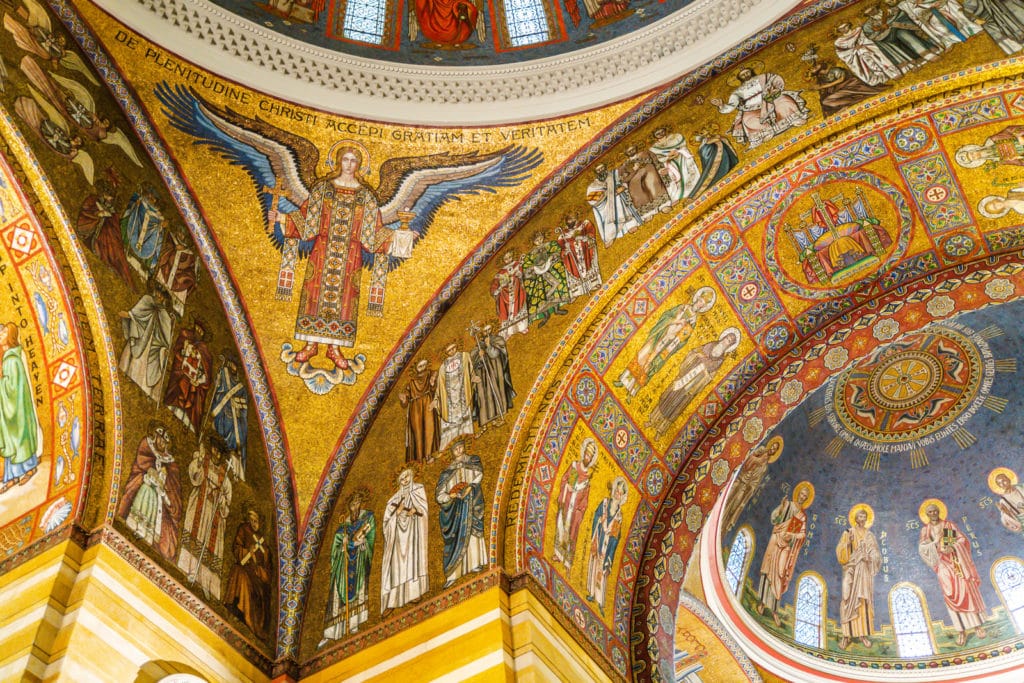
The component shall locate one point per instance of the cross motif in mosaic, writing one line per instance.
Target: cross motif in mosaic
(970, 114)
(580, 612)
(856, 153)
(750, 294)
(936, 194)
(611, 424)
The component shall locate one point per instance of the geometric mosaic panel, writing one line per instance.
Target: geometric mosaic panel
(936, 193)
(750, 294)
(970, 114)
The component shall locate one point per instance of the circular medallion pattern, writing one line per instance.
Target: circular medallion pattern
(834, 231)
(918, 389)
(904, 379)
(719, 242)
(776, 338)
(958, 246)
(586, 391)
(911, 139)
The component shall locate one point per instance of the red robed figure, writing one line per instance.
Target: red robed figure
(447, 21)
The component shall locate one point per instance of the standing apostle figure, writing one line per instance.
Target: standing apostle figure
(188, 380)
(944, 548)
(423, 424)
(403, 574)
(351, 555)
(147, 332)
(605, 530)
(248, 588)
(229, 411)
(151, 501)
(789, 531)
(455, 394)
(202, 543)
(21, 435)
(573, 496)
(859, 556)
(461, 514)
(493, 392)
(510, 296)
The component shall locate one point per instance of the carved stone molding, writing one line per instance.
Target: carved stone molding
(253, 55)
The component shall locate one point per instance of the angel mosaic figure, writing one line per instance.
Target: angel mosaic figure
(32, 32)
(337, 220)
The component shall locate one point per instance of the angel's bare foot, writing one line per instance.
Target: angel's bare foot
(307, 352)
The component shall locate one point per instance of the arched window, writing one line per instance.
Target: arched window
(1008, 576)
(522, 24)
(367, 21)
(526, 22)
(739, 559)
(910, 621)
(811, 597)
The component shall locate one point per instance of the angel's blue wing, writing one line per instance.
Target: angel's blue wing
(277, 162)
(423, 185)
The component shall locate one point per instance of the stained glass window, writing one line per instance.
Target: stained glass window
(527, 22)
(910, 622)
(1009, 577)
(810, 600)
(365, 20)
(739, 556)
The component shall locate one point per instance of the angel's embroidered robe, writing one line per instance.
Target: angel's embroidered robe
(342, 222)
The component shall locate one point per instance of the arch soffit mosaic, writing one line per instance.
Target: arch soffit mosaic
(564, 369)
(121, 421)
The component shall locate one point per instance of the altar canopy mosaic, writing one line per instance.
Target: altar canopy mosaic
(368, 369)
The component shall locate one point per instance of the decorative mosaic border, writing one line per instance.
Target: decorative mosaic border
(905, 273)
(23, 162)
(992, 275)
(183, 596)
(326, 497)
(704, 613)
(280, 470)
(449, 598)
(304, 73)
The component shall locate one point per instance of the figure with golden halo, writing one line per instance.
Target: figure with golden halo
(944, 548)
(748, 480)
(1003, 482)
(789, 532)
(860, 559)
(337, 220)
(764, 107)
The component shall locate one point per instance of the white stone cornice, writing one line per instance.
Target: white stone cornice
(246, 52)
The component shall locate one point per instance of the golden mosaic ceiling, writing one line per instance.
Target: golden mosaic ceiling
(389, 365)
